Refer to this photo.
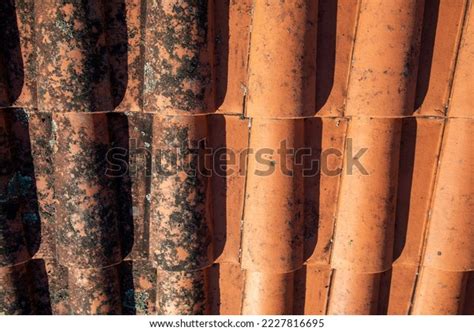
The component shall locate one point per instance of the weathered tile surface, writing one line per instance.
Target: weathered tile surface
(236, 157)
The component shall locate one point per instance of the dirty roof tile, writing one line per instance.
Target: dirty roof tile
(179, 68)
(451, 227)
(106, 108)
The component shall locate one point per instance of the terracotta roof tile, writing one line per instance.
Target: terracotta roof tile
(322, 136)
(385, 57)
(268, 293)
(179, 46)
(354, 293)
(282, 240)
(381, 84)
(363, 240)
(440, 292)
(283, 36)
(312, 283)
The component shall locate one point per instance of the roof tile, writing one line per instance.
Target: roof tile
(439, 292)
(363, 240)
(284, 37)
(384, 61)
(162, 83)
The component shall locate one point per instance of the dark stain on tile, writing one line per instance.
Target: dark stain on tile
(95, 291)
(88, 213)
(181, 234)
(182, 292)
(82, 55)
(178, 60)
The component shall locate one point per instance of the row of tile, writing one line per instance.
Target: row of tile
(123, 55)
(69, 156)
(86, 218)
(44, 287)
(132, 287)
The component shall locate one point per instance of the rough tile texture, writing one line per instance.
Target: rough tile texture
(236, 157)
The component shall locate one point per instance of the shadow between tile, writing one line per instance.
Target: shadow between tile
(219, 184)
(221, 49)
(405, 182)
(119, 135)
(326, 50)
(117, 42)
(10, 54)
(428, 34)
(312, 181)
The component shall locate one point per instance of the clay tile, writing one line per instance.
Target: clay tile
(87, 225)
(49, 293)
(12, 67)
(180, 228)
(268, 293)
(336, 29)
(325, 139)
(179, 64)
(442, 27)
(354, 293)
(419, 152)
(226, 283)
(449, 245)
(232, 42)
(25, 20)
(15, 298)
(363, 240)
(311, 289)
(138, 279)
(41, 137)
(72, 58)
(14, 186)
(182, 292)
(135, 135)
(228, 138)
(124, 34)
(283, 38)
(439, 292)
(273, 237)
(402, 287)
(349, 187)
(384, 62)
(94, 291)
